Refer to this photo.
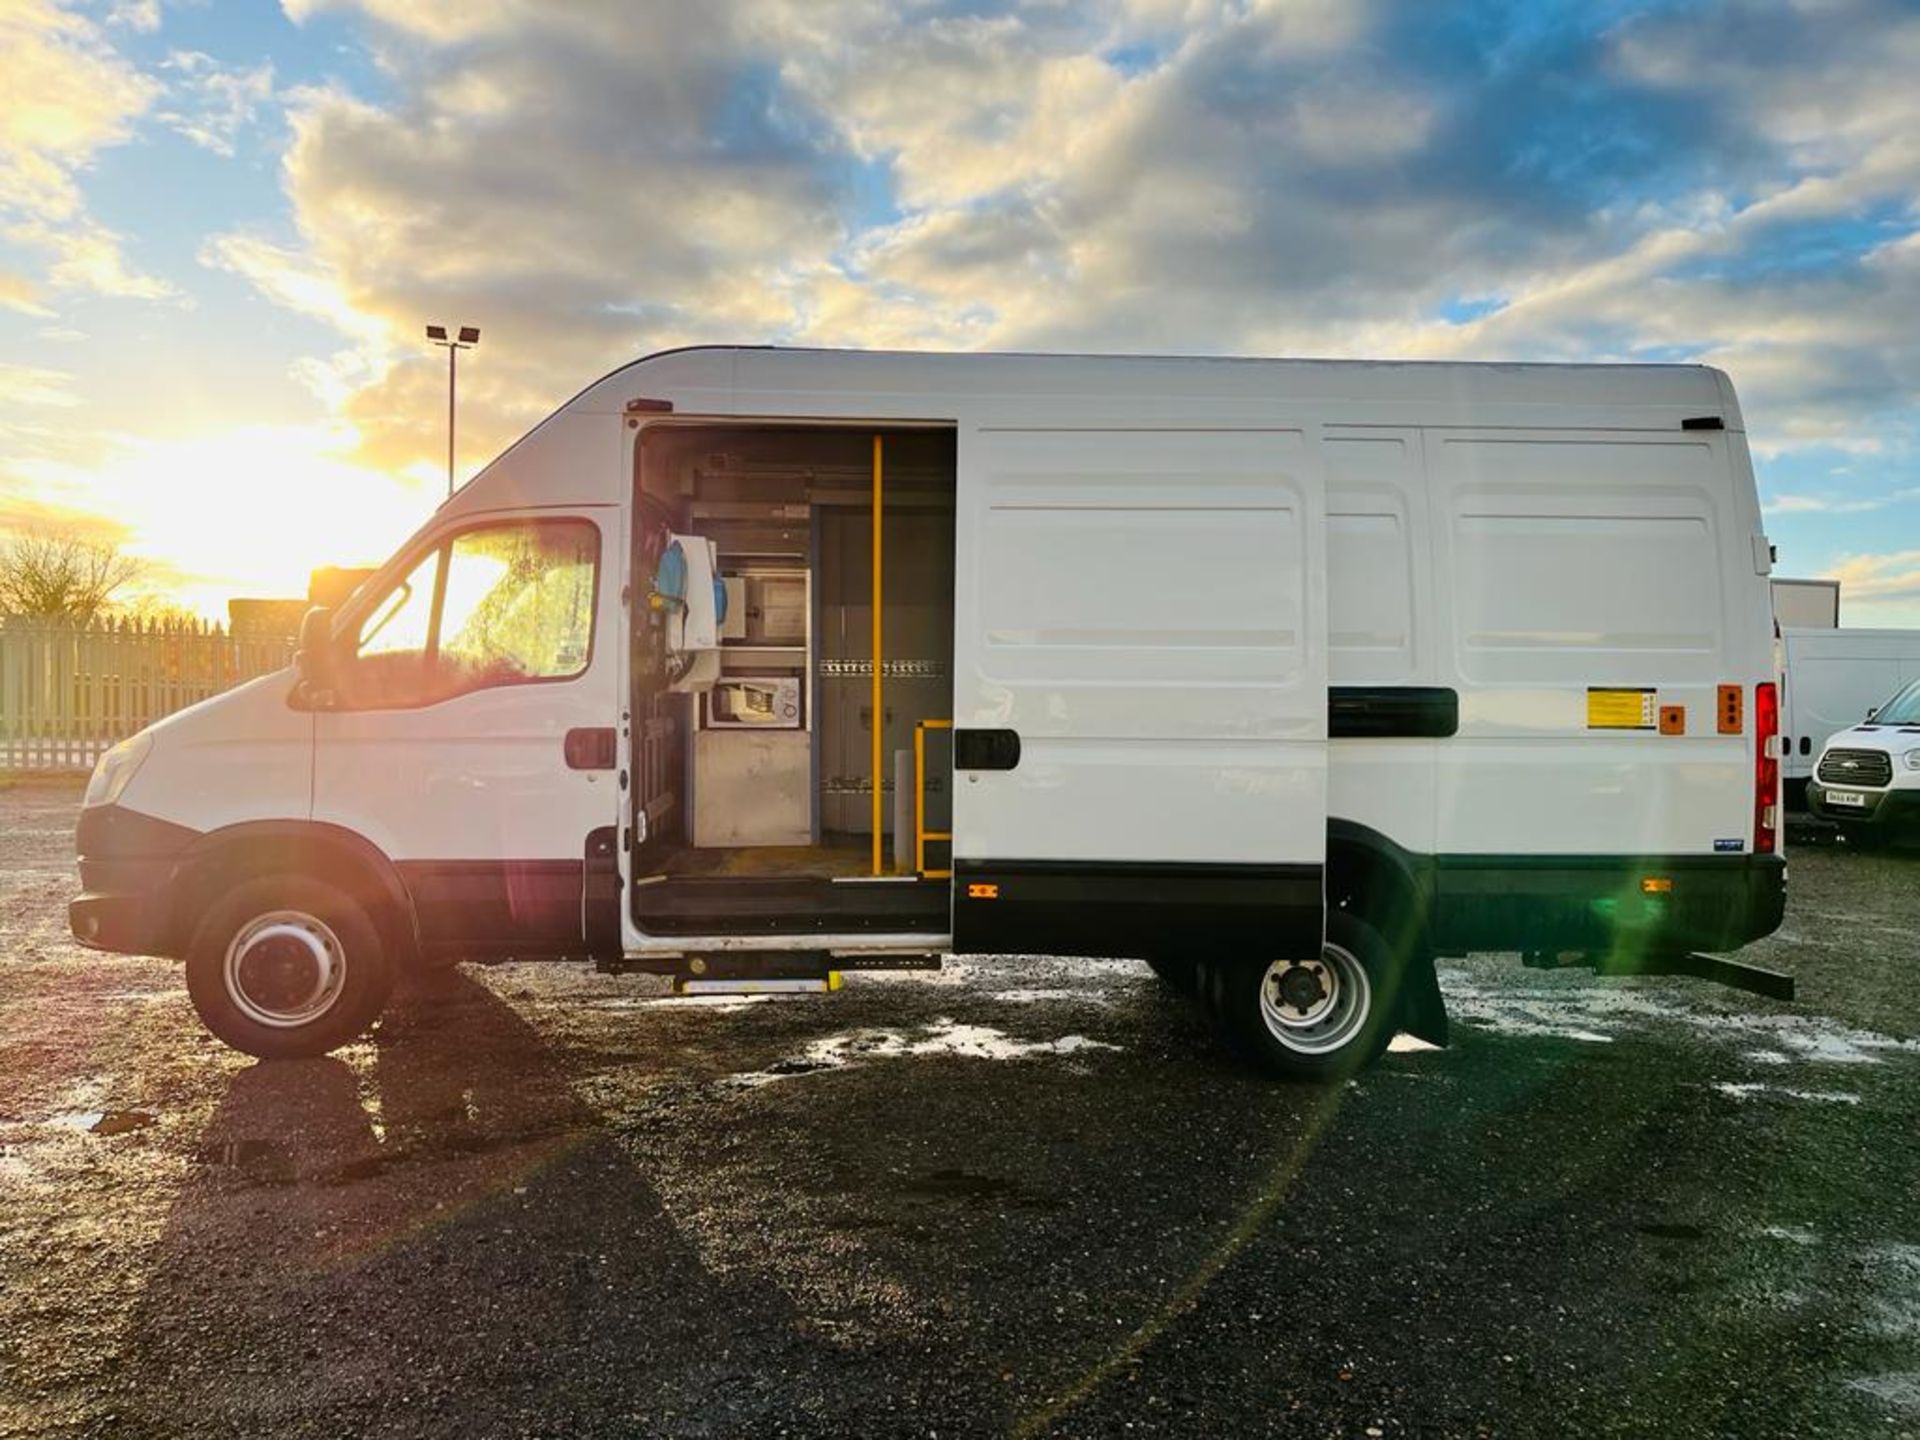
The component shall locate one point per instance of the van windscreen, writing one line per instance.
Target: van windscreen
(1903, 709)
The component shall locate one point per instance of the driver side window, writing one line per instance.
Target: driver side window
(498, 605)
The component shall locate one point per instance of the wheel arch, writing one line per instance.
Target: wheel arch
(342, 858)
(1392, 889)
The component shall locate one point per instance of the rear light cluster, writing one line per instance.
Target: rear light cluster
(1766, 768)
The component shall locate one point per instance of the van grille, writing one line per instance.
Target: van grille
(1856, 767)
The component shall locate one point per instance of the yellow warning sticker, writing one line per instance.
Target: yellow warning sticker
(1621, 709)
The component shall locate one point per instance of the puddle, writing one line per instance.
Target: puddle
(943, 1037)
(1028, 997)
(1410, 1045)
(1594, 1013)
(684, 1002)
(121, 1122)
(1900, 1389)
(101, 1122)
(1752, 1089)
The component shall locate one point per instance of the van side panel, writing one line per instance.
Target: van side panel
(1146, 609)
(1568, 562)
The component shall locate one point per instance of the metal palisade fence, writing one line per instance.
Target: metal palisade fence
(69, 689)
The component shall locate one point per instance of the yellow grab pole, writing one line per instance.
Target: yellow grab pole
(879, 715)
(920, 798)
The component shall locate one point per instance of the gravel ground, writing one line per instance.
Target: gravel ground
(1020, 1196)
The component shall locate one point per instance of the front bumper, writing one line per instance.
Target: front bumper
(1885, 809)
(127, 865)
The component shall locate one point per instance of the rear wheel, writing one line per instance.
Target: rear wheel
(287, 967)
(1323, 1017)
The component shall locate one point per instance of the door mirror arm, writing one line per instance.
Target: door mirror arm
(317, 661)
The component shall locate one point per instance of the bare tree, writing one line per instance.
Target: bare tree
(60, 574)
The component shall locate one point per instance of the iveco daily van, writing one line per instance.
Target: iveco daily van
(754, 666)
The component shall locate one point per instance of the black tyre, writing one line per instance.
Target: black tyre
(1320, 1019)
(1180, 976)
(285, 967)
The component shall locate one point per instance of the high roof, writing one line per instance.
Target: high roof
(771, 381)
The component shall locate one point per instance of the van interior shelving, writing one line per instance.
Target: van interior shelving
(752, 803)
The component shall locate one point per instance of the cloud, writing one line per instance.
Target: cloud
(211, 104)
(1835, 504)
(1880, 578)
(19, 293)
(68, 96)
(32, 385)
(1731, 182)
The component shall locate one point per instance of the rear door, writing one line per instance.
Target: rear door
(1140, 686)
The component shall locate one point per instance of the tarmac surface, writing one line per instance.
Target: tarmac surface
(1020, 1196)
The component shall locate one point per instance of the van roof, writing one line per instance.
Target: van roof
(774, 380)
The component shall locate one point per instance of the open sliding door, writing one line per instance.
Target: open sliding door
(1140, 691)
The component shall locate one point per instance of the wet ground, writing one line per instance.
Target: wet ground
(1020, 1196)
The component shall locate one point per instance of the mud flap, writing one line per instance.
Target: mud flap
(1423, 1012)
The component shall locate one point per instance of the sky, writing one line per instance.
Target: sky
(224, 224)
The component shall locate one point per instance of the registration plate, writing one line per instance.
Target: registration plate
(1851, 799)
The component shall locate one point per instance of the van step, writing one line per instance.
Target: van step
(766, 985)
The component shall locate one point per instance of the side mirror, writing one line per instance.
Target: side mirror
(317, 662)
(1873, 711)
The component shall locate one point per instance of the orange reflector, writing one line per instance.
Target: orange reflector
(983, 892)
(1656, 885)
(1673, 719)
(1731, 709)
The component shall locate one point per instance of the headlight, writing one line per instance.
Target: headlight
(116, 770)
(1912, 758)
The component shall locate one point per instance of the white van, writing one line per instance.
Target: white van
(1868, 778)
(1284, 676)
(1832, 680)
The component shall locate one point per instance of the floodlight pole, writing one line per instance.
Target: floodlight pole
(464, 337)
(453, 356)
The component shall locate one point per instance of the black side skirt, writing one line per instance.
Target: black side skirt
(1137, 911)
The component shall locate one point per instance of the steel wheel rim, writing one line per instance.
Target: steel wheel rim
(284, 969)
(1331, 1016)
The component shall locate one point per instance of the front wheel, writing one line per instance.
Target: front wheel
(286, 967)
(1323, 1017)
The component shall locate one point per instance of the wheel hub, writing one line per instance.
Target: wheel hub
(1315, 1006)
(1301, 989)
(285, 969)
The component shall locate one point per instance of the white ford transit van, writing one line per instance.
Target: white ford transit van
(753, 666)
(1868, 778)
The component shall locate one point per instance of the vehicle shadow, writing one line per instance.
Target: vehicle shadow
(438, 1237)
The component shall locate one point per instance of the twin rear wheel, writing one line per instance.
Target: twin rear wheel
(1319, 1018)
(285, 967)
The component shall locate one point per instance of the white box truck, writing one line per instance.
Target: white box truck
(1286, 677)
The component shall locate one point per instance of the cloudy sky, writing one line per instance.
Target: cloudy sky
(223, 224)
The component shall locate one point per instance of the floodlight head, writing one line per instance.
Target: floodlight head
(436, 332)
(469, 335)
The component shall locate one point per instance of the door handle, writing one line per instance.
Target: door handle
(986, 749)
(590, 748)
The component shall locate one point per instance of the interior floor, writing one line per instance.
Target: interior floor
(828, 861)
